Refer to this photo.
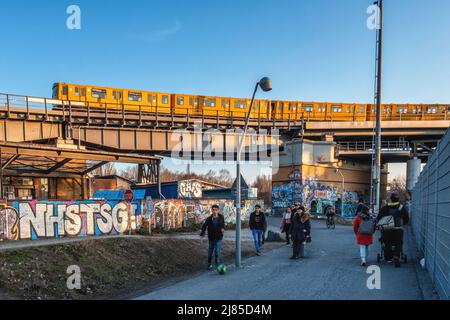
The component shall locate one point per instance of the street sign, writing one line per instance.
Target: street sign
(128, 196)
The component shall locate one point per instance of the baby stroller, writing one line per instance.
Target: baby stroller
(381, 255)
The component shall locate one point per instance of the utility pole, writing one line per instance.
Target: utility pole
(376, 201)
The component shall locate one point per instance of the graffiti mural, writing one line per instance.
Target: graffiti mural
(178, 213)
(314, 196)
(37, 220)
(351, 201)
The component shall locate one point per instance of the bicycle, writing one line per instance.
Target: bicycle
(331, 224)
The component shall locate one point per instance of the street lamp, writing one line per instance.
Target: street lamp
(343, 190)
(266, 85)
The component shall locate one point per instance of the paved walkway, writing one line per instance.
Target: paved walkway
(331, 271)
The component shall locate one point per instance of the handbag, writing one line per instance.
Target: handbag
(387, 223)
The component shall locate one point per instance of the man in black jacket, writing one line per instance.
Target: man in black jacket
(215, 224)
(393, 238)
(258, 225)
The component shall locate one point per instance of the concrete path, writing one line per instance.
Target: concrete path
(331, 271)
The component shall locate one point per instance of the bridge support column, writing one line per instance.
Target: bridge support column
(150, 173)
(412, 172)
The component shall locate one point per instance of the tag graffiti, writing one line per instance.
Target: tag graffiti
(35, 220)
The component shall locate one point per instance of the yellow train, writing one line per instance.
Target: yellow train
(111, 99)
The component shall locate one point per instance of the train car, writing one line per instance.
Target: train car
(113, 98)
(184, 104)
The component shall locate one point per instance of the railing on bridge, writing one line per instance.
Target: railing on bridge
(367, 146)
(170, 115)
(430, 216)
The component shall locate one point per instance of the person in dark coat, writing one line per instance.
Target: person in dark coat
(258, 225)
(393, 238)
(300, 231)
(215, 224)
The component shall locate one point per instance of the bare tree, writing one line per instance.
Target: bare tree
(223, 177)
(399, 185)
(130, 173)
(106, 170)
(264, 185)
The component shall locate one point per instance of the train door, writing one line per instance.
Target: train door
(64, 92)
(273, 110)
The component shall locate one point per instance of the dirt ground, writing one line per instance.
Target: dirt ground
(110, 268)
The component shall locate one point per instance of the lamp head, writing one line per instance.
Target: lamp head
(265, 84)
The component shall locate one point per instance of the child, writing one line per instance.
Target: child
(363, 238)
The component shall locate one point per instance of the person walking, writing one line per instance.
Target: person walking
(364, 228)
(300, 231)
(258, 225)
(393, 238)
(215, 225)
(286, 224)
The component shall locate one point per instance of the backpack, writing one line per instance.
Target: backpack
(367, 227)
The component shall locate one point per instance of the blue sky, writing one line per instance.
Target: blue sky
(314, 50)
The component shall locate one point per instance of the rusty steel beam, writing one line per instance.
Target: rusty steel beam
(11, 160)
(98, 165)
(58, 166)
(53, 152)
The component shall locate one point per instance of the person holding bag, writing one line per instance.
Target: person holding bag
(364, 227)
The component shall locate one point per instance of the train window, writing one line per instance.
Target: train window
(64, 90)
(280, 107)
(149, 98)
(336, 109)
(361, 109)
(83, 92)
(307, 108)
(180, 101)
(294, 107)
(225, 103)
(402, 110)
(208, 102)
(135, 96)
(55, 91)
(98, 94)
(114, 94)
(431, 109)
(165, 99)
(240, 104)
(77, 92)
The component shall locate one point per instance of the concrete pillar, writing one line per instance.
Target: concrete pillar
(413, 167)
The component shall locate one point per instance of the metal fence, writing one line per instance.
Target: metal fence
(430, 214)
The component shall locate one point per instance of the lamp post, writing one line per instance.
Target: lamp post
(266, 85)
(343, 190)
(376, 192)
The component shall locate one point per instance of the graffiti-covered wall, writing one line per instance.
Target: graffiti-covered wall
(37, 220)
(175, 214)
(314, 196)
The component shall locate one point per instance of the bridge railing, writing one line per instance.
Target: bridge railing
(368, 146)
(430, 216)
(289, 119)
